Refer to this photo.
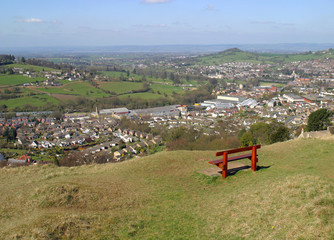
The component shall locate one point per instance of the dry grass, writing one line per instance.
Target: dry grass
(162, 197)
(298, 207)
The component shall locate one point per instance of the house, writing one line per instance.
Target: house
(94, 149)
(119, 153)
(292, 98)
(137, 134)
(16, 162)
(25, 157)
(20, 161)
(46, 144)
(149, 136)
(141, 145)
(157, 141)
(129, 150)
(126, 138)
(143, 135)
(132, 133)
(34, 144)
(133, 147)
(22, 140)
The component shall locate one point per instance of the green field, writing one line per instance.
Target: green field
(163, 197)
(117, 75)
(28, 67)
(38, 100)
(121, 87)
(145, 95)
(166, 89)
(12, 80)
(272, 84)
(125, 87)
(48, 94)
(134, 77)
(75, 88)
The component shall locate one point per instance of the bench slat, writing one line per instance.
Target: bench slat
(230, 159)
(248, 155)
(237, 150)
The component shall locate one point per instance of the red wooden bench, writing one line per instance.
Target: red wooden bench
(222, 163)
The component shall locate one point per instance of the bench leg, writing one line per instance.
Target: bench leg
(254, 159)
(224, 172)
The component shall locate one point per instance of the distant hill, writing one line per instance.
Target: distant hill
(163, 197)
(172, 48)
(237, 55)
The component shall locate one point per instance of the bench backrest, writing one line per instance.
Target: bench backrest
(237, 150)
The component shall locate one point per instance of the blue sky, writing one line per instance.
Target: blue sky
(26, 23)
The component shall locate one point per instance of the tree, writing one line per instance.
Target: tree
(319, 120)
(247, 139)
(260, 132)
(280, 134)
(9, 134)
(6, 133)
(12, 134)
(263, 133)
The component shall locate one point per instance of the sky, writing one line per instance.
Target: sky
(42, 23)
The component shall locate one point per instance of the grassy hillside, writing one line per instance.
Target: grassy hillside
(236, 55)
(76, 89)
(163, 197)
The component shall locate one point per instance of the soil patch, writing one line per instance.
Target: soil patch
(233, 168)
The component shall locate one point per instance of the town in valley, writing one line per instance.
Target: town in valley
(86, 117)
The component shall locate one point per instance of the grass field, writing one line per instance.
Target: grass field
(28, 67)
(72, 90)
(272, 84)
(159, 90)
(38, 100)
(144, 95)
(166, 89)
(117, 75)
(135, 77)
(12, 80)
(75, 88)
(163, 197)
(121, 87)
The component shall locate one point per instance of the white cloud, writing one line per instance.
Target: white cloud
(150, 25)
(211, 7)
(155, 1)
(273, 23)
(34, 20)
(264, 22)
